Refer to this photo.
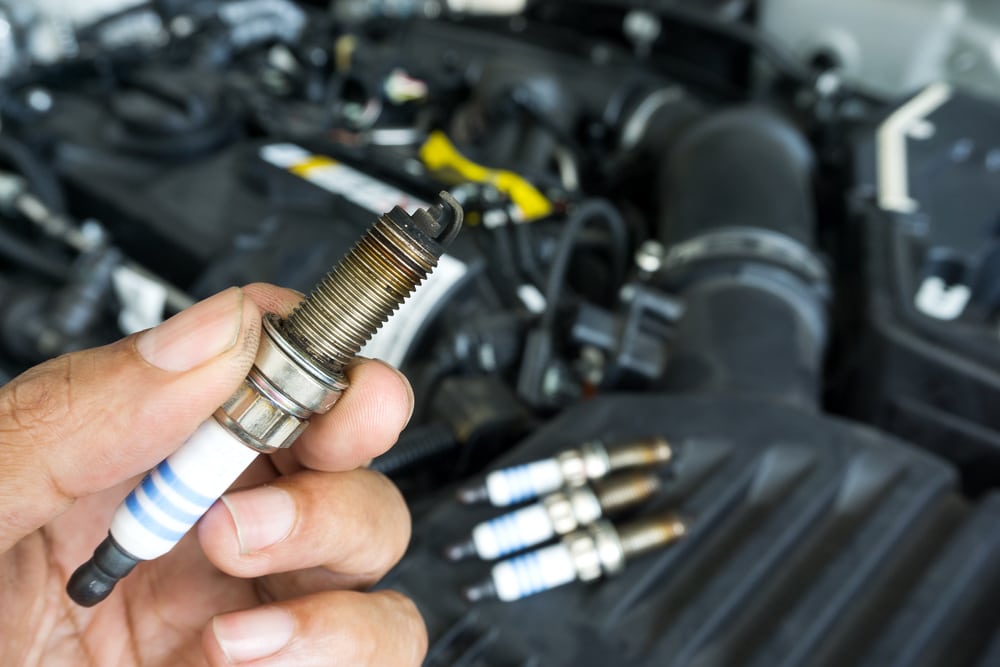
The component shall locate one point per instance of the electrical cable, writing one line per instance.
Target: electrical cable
(415, 445)
(526, 251)
(41, 179)
(591, 210)
(427, 378)
(26, 254)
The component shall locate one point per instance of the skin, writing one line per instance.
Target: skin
(78, 432)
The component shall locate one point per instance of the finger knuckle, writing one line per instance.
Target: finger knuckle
(38, 405)
(411, 627)
(393, 512)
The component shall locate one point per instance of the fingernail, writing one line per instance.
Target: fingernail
(245, 636)
(192, 337)
(263, 516)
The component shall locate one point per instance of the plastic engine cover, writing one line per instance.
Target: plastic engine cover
(811, 541)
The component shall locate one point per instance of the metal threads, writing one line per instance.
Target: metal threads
(647, 452)
(355, 299)
(645, 535)
(627, 491)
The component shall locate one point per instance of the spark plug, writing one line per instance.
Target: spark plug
(298, 372)
(586, 555)
(570, 468)
(558, 513)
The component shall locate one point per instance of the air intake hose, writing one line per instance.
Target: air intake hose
(739, 228)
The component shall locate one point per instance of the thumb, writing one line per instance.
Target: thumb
(86, 421)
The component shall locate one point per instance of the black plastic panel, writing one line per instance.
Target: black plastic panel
(917, 374)
(812, 542)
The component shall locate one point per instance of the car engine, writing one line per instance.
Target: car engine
(730, 278)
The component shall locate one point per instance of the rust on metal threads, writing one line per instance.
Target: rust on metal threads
(645, 535)
(645, 452)
(625, 491)
(355, 299)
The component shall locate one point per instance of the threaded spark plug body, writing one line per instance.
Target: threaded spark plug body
(298, 372)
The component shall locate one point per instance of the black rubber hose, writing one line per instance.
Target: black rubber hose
(738, 195)
(741, 168)
(416, 445)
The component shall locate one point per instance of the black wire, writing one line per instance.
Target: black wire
(44, 183)
(591, 210)
(41, 179)
(415, 445)
(508, 265)
(26, 254)
(427, 378)
(526, 251)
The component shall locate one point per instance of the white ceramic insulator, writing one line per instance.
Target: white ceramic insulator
(488, 7)
(171, 498)
(533, 572)
(517, 484)
(512, 532)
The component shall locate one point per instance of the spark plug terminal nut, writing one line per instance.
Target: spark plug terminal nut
(590, 461)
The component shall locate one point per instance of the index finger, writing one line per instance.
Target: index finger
(368, 417)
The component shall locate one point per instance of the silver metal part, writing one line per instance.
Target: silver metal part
(273, 405)
(590, 461)
(570, 509)
(574, 472)
(595, 459)
(294, 374)
(258, 420)
(299, 368)
(602, 550)
(596, 551)
(626, 491)
(649, 257)
(739, 242)
(646, 535)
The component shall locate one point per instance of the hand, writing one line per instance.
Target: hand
(273, 572)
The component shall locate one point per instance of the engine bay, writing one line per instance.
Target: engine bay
(751, 234)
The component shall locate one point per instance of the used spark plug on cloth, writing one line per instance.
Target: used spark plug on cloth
(586, 555)
(570, 468)
(298, 372)
(558, 513)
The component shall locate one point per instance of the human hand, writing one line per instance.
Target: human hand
(273, 573)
